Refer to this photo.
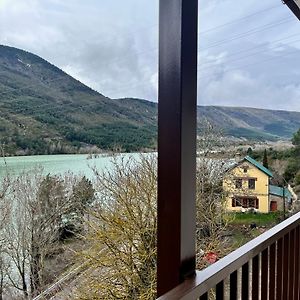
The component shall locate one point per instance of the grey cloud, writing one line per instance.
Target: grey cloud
(267, 80)
(112, 47)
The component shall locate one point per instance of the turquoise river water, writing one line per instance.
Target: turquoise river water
(78, 164)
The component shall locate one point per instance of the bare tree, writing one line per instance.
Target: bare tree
(122, 233)
(4, 267)
(211, 214)
(4, 215)
(39, 206)
(18, 230)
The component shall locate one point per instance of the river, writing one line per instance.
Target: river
(79, 164)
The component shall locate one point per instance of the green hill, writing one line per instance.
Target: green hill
(45, 111)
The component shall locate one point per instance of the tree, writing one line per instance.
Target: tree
(38, 205)
(293, 166)
(46, 211)
(4, 212)
(4, 271)
(83, 195)
(17, 233)
(296, 138)
(297, 178)
(211, 216)
(121, 259)
(265, 159)
(211, 210)
(122, 234)
(250, 152)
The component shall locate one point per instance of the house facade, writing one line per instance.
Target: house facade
(248, 186)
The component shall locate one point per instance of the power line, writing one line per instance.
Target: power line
(270, 25)
(264, 27)
(247, 33)
(253, 48)
(251, 64)
(137, 85)
(65, 109)
(130, 86)
(200, 69)
(211, 29)
(240, 19)
(228, 70)
(242, 35)
(222, 25)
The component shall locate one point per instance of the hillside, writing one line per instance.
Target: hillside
(45, 111)
(252, 123)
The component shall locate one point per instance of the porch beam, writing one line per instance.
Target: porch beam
(177, 114)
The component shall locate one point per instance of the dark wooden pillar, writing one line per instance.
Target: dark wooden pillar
(294, 6)
(177, 109)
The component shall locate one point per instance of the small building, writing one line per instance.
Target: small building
(247, 184)
(276, 196)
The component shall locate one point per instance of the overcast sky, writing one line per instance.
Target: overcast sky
(249, 51)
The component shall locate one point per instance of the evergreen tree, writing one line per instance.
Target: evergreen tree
(250, 152)
(265, 159)
(83, 195)
(293, 168)
(296, 138)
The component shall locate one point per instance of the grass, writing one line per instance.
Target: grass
(240, 226)
(259, 219)
(241, 237)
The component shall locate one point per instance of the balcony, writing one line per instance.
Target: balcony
(266, 267)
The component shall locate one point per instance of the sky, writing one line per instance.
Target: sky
(248, 54)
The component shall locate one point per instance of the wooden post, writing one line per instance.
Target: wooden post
(177, 109)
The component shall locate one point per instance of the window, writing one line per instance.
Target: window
(236, 202)
(245, 202)
(238, 183)
(251, 184)
(252, 203)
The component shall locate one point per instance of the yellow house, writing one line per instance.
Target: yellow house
(247, 186)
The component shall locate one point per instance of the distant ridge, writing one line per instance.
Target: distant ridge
(45, 111)
(253, 123)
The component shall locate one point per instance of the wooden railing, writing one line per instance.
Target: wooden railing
(265, 268)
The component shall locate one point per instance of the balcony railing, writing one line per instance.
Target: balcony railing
(267, 267)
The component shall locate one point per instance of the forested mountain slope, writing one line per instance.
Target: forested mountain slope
(44, 111)
(47, 111)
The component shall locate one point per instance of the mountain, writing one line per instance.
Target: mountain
(44, 111)
(252, 123)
